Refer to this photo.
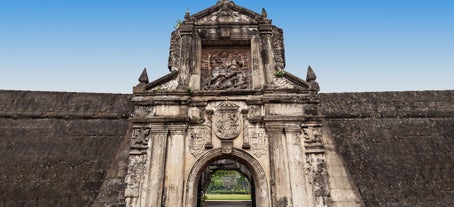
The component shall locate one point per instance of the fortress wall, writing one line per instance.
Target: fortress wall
(68, 149)
(56, 147)
(398, 146)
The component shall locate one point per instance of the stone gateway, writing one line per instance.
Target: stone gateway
(231, 101)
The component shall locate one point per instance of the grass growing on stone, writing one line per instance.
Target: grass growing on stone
(227, 197)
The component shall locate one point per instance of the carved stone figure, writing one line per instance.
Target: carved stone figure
(225, 68)
(140, 138)
(312, 134)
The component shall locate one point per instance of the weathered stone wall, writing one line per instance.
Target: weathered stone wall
(68, 149)
(397, 146)
(56, 147)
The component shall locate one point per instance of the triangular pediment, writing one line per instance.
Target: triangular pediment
(167, 82)
(286, 80)
(226, 12)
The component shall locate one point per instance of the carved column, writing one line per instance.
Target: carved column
(137, 164)
(279, 166)
(315, 166)
(296, 165)
(152, 190)
(174, 168)
(186, 31)
(266, 50)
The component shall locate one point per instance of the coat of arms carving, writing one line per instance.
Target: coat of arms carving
(197, 139)
(227, 121)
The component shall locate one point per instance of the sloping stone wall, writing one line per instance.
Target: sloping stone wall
(56, 147)
(67, 149)
(397, 146)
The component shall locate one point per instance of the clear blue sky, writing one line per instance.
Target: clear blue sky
(103, 45)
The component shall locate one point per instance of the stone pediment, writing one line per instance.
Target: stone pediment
(167, 82)
(286, 80)
(226, 12)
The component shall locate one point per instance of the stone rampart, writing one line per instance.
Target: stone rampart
(56, 147)
(69, 149)
(397, 146)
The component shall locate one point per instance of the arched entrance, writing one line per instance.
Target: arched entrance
(235, 182)
(258, 178)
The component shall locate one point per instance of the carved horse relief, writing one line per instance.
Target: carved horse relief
(225, 68)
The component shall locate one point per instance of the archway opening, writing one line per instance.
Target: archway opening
(238, 160)
(226, 182)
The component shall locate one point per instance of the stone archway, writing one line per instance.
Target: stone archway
(258, 175)
(225, 164)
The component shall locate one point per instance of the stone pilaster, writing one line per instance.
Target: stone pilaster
(266, 50)
(280, 181)
(174, 166)
(209, 142)
(296, 166)
(187, 52)
(152, 189)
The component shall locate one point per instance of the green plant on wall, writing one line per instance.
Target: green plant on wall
(279, 73)
(189, 90)
(177, 24)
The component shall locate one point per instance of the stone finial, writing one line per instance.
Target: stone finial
(144, 76)
(310, 78)
(310, 74)
(264, 14)
(187, 14)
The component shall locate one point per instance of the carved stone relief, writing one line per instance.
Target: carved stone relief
(225, 15)
(312, 134)
(144, 111)
(312, 138)
(198, 136)
(227, 121)
(170, 85)
(316, 171)
(139, 141)
(258, 140)
(226, 146)
(282, 83)
(225, 68)
(134, 178)
(137, 163)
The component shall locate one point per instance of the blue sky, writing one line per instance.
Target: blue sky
(103, 45)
